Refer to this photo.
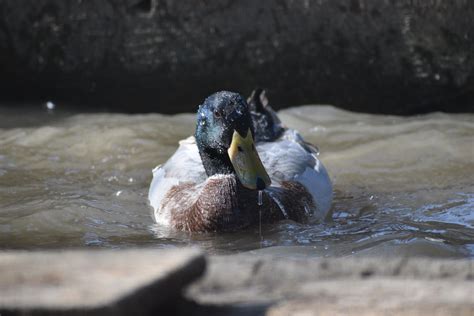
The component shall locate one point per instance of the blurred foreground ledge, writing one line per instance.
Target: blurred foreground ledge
(142, 282)
(400, 57)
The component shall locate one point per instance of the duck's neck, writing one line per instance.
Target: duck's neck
(216, 163)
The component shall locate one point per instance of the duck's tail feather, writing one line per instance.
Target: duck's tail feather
(267, 125)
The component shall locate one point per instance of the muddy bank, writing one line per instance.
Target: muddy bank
(155, 55)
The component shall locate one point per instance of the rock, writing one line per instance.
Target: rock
(338, 286)
(129, 282)
(125, 282)
(380, 297)
(399, 57)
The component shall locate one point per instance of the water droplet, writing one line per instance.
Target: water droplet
(434, 239)
(112, 178)
(50, 105)
(118, 193)
(260, 203)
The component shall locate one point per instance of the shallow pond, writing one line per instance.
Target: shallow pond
(403, 185)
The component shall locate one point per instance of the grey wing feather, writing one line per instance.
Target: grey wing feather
(290, 159)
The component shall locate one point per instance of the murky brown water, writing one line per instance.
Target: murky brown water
(404, 186)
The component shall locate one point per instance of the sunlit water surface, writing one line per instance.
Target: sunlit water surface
(403, 186)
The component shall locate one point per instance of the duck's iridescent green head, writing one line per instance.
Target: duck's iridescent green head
(224, 136)
(218, 117)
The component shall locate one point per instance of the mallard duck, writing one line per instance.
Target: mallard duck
(222, 180)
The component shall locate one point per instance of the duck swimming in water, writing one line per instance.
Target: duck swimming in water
(221, 179)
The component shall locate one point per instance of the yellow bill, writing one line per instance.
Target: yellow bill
(247, 163)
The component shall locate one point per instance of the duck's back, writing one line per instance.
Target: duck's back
(286, 156)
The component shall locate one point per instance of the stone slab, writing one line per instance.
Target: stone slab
(380, 296)
(95, 282)
(148, 282)
(338, 286)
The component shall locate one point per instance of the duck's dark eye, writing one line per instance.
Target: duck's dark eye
(240, 149)
(217, 113)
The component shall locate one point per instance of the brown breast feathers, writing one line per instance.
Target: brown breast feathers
(223, 204)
